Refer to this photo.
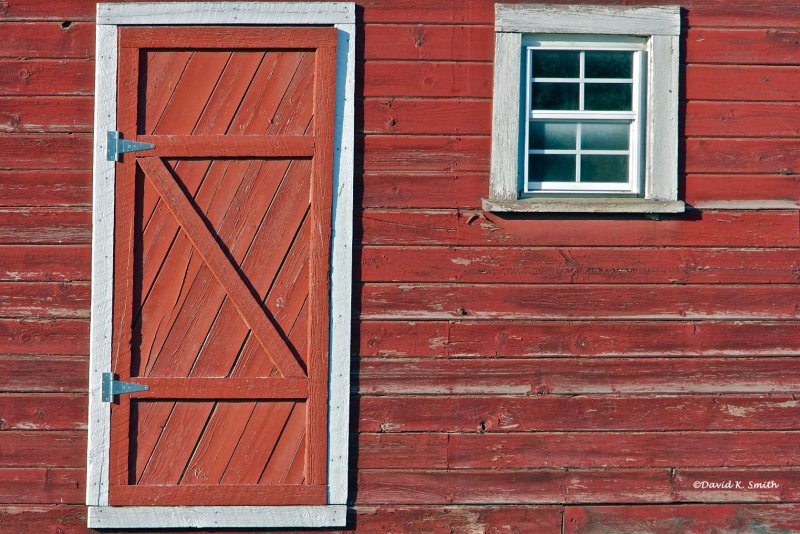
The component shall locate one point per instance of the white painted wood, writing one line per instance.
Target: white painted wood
(342, 15)
(584, 205)
(584, 19)
(328, 13)
(217, 516)
(504, 178)
(105, 119)
(341, 266)
(662, 126)
(661, 27)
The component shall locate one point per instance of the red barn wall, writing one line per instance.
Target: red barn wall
(531, 372)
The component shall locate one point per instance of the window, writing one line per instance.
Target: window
(585, 109)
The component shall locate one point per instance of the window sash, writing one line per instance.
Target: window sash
(634, 117)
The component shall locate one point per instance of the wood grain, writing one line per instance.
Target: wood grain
(684, 517)
(42, 449)
(560, 376)
(45, 188)
(514, 487)
(579, 265)
(764, 83)
(50, 152)
(722, 187)
(741, 119)
(426, 79)
(45, 226)
(35, 336)
(227, 495)
(220, 266)
(590, 413)
(426, 153)
(56, 40)
(465, 227)
(764, 46)
(589, 338)
(430, 116)
(44, 299)
(424, 189)
(32, 518)
(623, 450)
(46, 77)
(501, 301)
(624, 338)
(45, 263)
(775, 156)
(421, 518)
(428, 42)
(27, 411)
(34, 114)
(42, 485)
(403, 451)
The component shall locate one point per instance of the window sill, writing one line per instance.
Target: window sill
(584, 205)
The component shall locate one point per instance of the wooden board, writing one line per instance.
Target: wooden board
(684, 517)
(476, 265)
(586, 301)
(468, 227)
(564, 376)
(591, 413)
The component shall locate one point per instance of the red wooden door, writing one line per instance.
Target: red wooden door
(221, 282)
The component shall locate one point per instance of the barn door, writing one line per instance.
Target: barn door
(221, 265)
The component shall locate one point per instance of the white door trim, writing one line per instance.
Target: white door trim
(109, 17)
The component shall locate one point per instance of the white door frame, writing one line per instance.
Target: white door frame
(341, 15)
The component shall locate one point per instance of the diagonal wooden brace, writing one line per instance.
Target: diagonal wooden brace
(221, 267)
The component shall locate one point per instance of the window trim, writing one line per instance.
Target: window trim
(340, 15)
(660, 26)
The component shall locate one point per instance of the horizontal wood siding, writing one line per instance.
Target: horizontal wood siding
(545, 373)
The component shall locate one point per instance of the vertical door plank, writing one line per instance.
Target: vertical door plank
(319, 287)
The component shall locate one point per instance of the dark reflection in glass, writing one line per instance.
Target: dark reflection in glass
(605, 135)
(551, 168)
(556, 96)
(602, 64)
(553, 135)
(607, 97)
(604, 169)
(556, 64)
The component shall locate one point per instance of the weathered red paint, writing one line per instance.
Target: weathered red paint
(474, 383)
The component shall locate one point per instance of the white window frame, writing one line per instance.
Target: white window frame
(340, 15)
(654, 160)
(634, 117)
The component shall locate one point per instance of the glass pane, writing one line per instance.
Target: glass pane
(604, 169)
(556, 64)
(555, 96)
(607, 97)
(551, 168)
(605, 135)
(548, 135)
(600, 64)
